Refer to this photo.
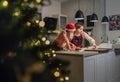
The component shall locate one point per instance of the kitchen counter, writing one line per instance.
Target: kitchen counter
(77, 53)
(85, 52)
(92, 66)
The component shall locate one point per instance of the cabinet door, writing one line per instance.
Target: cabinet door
(89, 69)
(75, 67)
(101, 68)
(114, 67)
(107, 67)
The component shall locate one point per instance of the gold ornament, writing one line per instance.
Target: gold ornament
(41, 23)
(57, 74)
(28, 23)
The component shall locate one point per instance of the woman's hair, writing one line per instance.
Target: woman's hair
(78, 25)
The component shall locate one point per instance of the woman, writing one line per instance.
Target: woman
(80, 36)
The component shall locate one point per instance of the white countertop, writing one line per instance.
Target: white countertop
(77, 53)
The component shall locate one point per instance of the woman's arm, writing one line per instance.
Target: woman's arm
(90, 39)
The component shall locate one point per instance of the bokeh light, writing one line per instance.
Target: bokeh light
(5, 3)
(56, 73)
(43, 38)
(38, 1)
(66, 78)
(28, 23)
(47, 42)
(41, 23)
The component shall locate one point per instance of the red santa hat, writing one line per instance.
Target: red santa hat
(70, 27)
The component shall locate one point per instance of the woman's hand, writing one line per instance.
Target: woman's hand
(94, 46)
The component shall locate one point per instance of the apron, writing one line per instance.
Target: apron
(78, 41)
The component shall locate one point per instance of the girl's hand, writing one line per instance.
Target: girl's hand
(73, 47)
(78, 48)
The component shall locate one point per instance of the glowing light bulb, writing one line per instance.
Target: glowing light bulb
(47, 42)
(43, 38)
(66, 78)
(28, 23)
(5, 3)
(37, 21)
(61, 79)
(38, 1)
(53, 51)
(16, 13)
(54, 55)
(25, 0)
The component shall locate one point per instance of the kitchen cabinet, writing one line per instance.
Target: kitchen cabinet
(92, 67)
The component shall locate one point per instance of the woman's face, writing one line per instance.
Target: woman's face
(80, 30)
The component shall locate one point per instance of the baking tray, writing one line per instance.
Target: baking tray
(100, 50)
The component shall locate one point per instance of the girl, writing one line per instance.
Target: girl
(63, 41)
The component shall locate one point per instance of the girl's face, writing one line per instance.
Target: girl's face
(70, 34)
(80, 30)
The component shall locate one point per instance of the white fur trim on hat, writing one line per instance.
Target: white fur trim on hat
(70, 29)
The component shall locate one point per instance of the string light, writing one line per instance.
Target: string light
(28, 23)
(37, 21)
(61, 79)
(44, 62)
(57, 68)
(25, 0)
(5, 3)
(17, 13)
(53, 51)
(37, 43)
(43, 38)
(47, 42)
(66, 78)
(38, 1)
(54, 55)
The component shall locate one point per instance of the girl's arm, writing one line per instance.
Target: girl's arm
(69, 44)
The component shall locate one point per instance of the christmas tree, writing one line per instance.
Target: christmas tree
(26, 53)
